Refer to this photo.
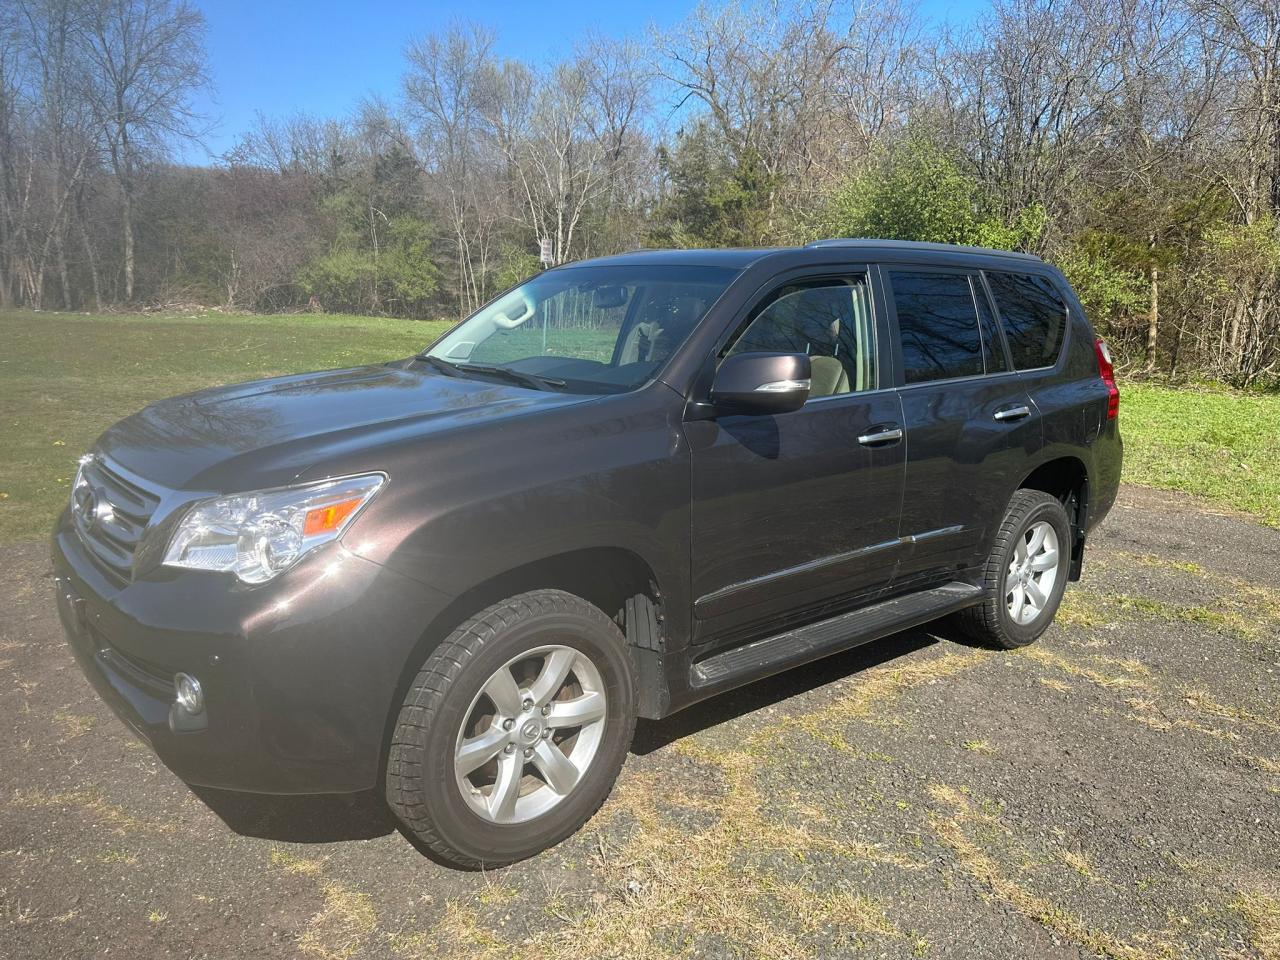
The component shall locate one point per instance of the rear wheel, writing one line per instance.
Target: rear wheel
(1025, 573)
(513, 731)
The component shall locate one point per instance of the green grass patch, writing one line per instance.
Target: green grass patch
(1149, 608)
(64, 378)
(1213, 443)
(1163, 563)
(1248, 613)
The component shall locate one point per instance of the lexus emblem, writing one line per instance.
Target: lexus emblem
(84, 502)
(89, 510)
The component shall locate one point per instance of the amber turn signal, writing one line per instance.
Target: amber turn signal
(328, 518)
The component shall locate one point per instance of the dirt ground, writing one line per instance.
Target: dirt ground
(1114, 790)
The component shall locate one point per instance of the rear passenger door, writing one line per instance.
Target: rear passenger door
(971, 426)
(1053, 355)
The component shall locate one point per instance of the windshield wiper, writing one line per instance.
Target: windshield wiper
(441, 364)
(532, 380)
(513, 376)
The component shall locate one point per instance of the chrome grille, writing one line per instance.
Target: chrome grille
(111, 512)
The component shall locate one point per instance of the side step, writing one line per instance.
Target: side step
(803, 644)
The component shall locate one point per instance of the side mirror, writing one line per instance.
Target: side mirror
(761, 383)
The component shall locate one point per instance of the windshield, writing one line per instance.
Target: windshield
(589, 329)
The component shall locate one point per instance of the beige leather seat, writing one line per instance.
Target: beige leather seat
(828, 377)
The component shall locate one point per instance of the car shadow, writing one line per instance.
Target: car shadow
(324, 818)
(654, 734)
(363, 816)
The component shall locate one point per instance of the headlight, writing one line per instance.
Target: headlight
(261, 534)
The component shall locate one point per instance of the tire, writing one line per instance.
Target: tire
(453, 705)
(993, 622)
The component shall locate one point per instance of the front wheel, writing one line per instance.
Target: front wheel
(514, 730)
(1025, 573)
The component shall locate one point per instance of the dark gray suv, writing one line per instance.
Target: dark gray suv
(621, 487)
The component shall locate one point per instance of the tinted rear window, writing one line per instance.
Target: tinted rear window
(938, 326)
(1034, 318)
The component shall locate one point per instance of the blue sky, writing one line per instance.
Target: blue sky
(323, 57)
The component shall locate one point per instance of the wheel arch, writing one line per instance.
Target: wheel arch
(1067, 479)
(614, 579)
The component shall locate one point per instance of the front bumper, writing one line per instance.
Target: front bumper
(300, 675)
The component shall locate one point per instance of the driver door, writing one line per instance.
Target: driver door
(800, 511)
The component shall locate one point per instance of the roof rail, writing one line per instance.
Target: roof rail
(920, 245)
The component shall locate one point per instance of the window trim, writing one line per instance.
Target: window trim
(998, 333)
(1068, 321)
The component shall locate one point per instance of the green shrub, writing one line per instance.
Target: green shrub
(919, 192)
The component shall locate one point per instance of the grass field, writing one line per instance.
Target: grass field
(65, 377)
(1213, 443)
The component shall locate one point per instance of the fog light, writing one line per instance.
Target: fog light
(189, 693)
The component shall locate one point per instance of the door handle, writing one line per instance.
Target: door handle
(1012, 413)
(880, 436)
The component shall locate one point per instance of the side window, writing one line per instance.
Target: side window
(938, 326)
(829, 319)
(1034, 318)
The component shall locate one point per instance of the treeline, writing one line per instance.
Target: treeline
(1134, 142)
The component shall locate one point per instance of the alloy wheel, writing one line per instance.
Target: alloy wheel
(530, 734)
(1033, 571)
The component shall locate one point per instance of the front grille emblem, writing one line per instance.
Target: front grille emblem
(88, 508)
(84, 502)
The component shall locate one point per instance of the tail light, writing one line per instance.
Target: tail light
(1108, 373)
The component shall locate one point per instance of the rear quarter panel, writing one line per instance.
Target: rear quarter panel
(1071, 400)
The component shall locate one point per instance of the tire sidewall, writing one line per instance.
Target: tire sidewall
(456, 822)
(1018, 634)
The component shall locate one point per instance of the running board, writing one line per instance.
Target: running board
(816, 640)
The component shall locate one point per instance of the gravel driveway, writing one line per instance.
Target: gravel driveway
(1113, 790)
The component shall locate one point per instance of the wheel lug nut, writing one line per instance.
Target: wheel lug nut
(508, 724)
(546, 711)
(509, 748)
(528, 704)
(528, 752)
(546, 734)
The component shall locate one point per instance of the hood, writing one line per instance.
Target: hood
(267, 432)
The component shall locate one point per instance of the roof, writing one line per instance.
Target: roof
(742, 258)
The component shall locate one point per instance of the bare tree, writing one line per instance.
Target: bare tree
(60, 142)
(619, 93)
(1135, 141)
(148, 59)
(1030, 93)
(445, 90)
(11, 120)
(801, 88)
(1247, 32)
(565, 146)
